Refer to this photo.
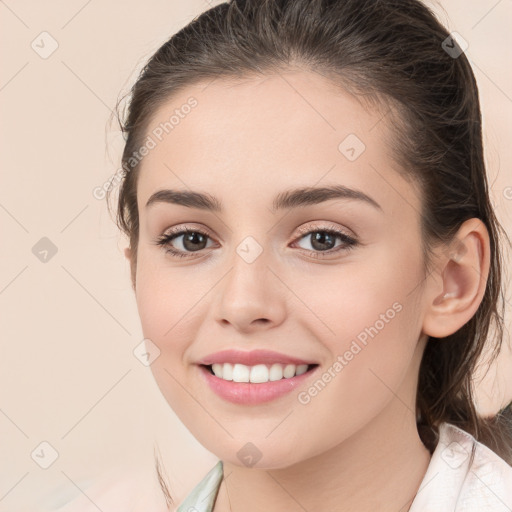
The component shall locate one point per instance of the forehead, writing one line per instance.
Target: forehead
(245, 138)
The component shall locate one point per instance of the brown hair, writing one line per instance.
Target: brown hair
(394, 51)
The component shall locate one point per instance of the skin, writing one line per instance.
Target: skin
(355, 445)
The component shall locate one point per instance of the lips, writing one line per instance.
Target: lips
(248, 393)
(252, 358)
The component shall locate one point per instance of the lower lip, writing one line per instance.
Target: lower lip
(250, 393)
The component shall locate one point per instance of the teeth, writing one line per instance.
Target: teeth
(258, 373)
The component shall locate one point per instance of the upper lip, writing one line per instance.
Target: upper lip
(251, 358)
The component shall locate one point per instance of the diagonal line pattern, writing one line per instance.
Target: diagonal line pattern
(391, 186)
(74, 218)
(491, 80)
(13, 279)
(81, 491)
(292, 497)
(76, 14)
(96, 300)
(14, 218)
(13, 423)
(87, 87)
(396, 396)
(14, 14)
(380, 119)
(486, 14)
(111, 388)
(407, 505)
(14, 485)
(279, 424)
(497, 497)
(14, 76)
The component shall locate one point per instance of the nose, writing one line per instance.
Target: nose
(250, 297)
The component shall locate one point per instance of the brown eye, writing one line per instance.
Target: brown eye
(324, 240)
(183, 241)
(193, 241)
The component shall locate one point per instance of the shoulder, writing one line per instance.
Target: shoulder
(115, 491)
(465, 476)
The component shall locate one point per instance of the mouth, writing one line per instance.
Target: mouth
(261, 383)
(257, 374)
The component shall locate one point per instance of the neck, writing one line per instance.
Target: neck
(380, 467)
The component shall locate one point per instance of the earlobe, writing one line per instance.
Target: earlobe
(454, 299)
(128, 253)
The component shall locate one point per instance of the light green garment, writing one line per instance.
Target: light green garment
(202, 497)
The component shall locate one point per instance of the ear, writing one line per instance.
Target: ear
(457, 287)
(128, 255)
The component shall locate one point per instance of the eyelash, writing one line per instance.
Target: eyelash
(164, 241)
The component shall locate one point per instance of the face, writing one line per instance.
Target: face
(334, 280)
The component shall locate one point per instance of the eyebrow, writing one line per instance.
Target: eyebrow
(294, 198)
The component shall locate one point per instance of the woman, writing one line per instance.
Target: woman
(315, 257)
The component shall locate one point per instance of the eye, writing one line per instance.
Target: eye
(323, 241)
(193, 240)
(190, 240)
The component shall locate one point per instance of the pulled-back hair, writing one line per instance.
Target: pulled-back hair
(392, 52)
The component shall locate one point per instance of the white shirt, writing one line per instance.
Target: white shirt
(452, 483)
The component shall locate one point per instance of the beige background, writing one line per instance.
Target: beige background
(70, 324)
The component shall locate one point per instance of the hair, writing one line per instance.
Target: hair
(391, 52)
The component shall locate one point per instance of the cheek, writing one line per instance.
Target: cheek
(164, 294)
(370, 324)
(371, 358)
(164, 301)
(371, 296)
